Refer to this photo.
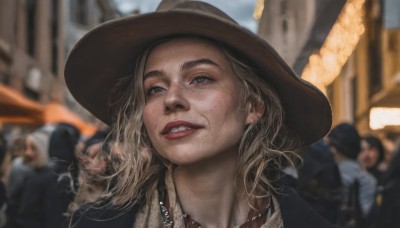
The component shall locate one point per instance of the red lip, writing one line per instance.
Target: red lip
(166, 131)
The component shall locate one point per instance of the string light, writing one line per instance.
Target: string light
(325, 66)
(258, 10)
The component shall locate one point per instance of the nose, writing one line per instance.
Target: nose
(175, 99)
(29, 153)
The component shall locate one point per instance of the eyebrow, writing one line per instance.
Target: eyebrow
(152, 73)
(190, 64)
(185, 66)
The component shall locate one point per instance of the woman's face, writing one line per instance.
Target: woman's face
(369, 155)
(93, 163)
(194, 110)
(32, 155)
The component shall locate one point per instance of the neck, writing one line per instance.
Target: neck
(207, 193)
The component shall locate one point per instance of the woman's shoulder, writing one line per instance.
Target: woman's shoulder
(102, 214)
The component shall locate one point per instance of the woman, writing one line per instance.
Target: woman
(49, 192)
(23, 176)
(205, 116)
(371, 155)
(93, 162)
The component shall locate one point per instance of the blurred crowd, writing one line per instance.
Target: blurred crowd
(47, 173)
(352, 180)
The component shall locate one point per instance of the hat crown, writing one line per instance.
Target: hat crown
(194, 6)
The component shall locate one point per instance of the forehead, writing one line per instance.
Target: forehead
(185, 47)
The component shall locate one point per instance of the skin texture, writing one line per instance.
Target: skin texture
(189, 82)
(204, 94)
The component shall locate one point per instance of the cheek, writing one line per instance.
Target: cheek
(225, 102)
(33, 153)
(225, 114)
(368, 156)
(363, 155)
(150, 118)
(374, 155)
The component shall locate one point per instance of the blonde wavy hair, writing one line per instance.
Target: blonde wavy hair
(266, 147)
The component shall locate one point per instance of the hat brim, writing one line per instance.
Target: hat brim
(108, 53)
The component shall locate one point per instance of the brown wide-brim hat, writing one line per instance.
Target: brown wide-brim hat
(110, 51)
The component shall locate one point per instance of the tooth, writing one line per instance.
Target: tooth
(182, 128)
(175, 129)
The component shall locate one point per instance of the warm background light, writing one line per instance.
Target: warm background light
(379, 118)
(258, 10)
(326, 65)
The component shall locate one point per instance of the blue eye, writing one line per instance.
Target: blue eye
(201, 80)
(154, 90)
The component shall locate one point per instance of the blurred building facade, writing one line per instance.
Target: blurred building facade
(35, 39)
(28, 39)
(350, 49)
(377, 66)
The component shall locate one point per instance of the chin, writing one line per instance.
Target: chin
(182, 161)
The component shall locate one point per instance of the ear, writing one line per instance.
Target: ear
(255, 112)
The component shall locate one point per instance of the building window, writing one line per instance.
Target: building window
(79, 12)
(392, 14)
(284, 15)
(354, 94)
(31, 12)
(374, 46)
(54, 36)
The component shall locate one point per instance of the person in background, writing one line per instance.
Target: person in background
(387, 209)
(3, 195)
(52, 188)
(389, 140)
(18, 174)
(371, 155)
(94, 155)
(34, 161)
(94, 163)
(359, 187)
(319, 182)
(18, 170)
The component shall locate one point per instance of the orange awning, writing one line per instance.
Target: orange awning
(16, 108)
(55, 112)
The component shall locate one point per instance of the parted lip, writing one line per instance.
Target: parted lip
(167, 128)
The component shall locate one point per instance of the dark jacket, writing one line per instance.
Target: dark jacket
(319, 182)
(386, 211)
(45, 201)
(49, 192)
(295, 214)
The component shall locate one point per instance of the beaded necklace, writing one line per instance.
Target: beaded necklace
(254, 219)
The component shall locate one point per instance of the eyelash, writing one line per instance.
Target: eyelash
(205, 80)
(152, 91)
(202, 77)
